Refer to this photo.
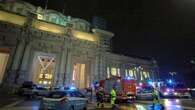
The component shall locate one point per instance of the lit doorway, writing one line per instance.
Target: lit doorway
(79, 75)
(44, 70)
(3, 63)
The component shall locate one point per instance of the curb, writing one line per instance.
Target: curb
(13, 104)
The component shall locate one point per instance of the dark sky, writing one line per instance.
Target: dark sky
(163, 29)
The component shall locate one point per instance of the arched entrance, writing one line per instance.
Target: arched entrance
(4, 57)
(79, 75)
(43, 71)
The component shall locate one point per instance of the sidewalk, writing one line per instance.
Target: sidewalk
(8, 98)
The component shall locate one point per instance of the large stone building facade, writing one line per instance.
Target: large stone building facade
(49, 48)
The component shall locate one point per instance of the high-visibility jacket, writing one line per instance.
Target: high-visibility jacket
(113, 96)
(113, 93)
(155, 92)
(155, 96)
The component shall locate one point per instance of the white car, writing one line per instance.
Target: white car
(144, 95)
(64, 100)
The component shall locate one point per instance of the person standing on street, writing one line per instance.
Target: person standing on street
(100, 97)
(156, 99)
(113, 96)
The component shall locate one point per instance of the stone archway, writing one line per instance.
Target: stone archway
(43, 70)
(79, 75)
(81, 71)
(4, 57)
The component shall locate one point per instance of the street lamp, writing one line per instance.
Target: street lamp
(172, 74)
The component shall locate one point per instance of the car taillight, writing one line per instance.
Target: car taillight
(64, 100)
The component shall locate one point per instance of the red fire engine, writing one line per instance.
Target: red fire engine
(125, 88)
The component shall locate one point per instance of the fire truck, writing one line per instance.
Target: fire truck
(125, 88)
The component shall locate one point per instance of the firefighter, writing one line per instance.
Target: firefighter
(113, 97)
(156, 99)
(100, 97)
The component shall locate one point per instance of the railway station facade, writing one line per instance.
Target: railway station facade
(51, 49)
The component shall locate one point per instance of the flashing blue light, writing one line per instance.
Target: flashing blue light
(72, 88)
(170, 81)
(150, 82)
(129, 78)
(158, 84)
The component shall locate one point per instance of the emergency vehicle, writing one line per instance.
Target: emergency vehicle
(144, 91)
(175, 90)
(125, 88)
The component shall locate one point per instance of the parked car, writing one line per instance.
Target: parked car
(29, 89)
(64, 100)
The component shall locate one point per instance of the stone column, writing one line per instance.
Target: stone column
(16, 59)
(24, 69)
(18, 55)
(56, 57)
(68, 77)
(62, 67)
(96, 69)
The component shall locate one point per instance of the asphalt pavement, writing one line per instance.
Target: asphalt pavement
(170, 104)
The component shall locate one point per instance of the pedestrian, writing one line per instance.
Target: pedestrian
(100, 97)
(156, 99)
(113, 96)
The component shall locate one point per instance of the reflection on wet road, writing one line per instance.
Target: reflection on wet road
(133, 107)
(169, 104)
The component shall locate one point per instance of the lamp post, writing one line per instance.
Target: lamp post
(172, 74)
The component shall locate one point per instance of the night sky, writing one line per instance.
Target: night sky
(163, 29)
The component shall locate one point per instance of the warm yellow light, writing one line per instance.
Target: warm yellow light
(46, 76)
(12, 18)
(84, 35)
(44, 82)
(39, 16)
(41, 76)
(50, 76)
(3, 63)
(40, 82)
(113, 71)
(48, 27)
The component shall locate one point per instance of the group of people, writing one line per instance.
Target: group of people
(100, 95)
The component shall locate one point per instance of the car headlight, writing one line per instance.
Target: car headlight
(165, 93)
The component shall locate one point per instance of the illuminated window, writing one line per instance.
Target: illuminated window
(148, 74)
(45, 70)
(141, 75)
(73, 74)
(145, 74)
(131, 73)
(49, 82)
(108, 72)
(45, 82)
(41, 76)
(79, 75)
(113, 71)
(119, 74)
(126, 72)
(135, 75)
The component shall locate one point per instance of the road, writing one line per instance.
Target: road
(170, 104)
